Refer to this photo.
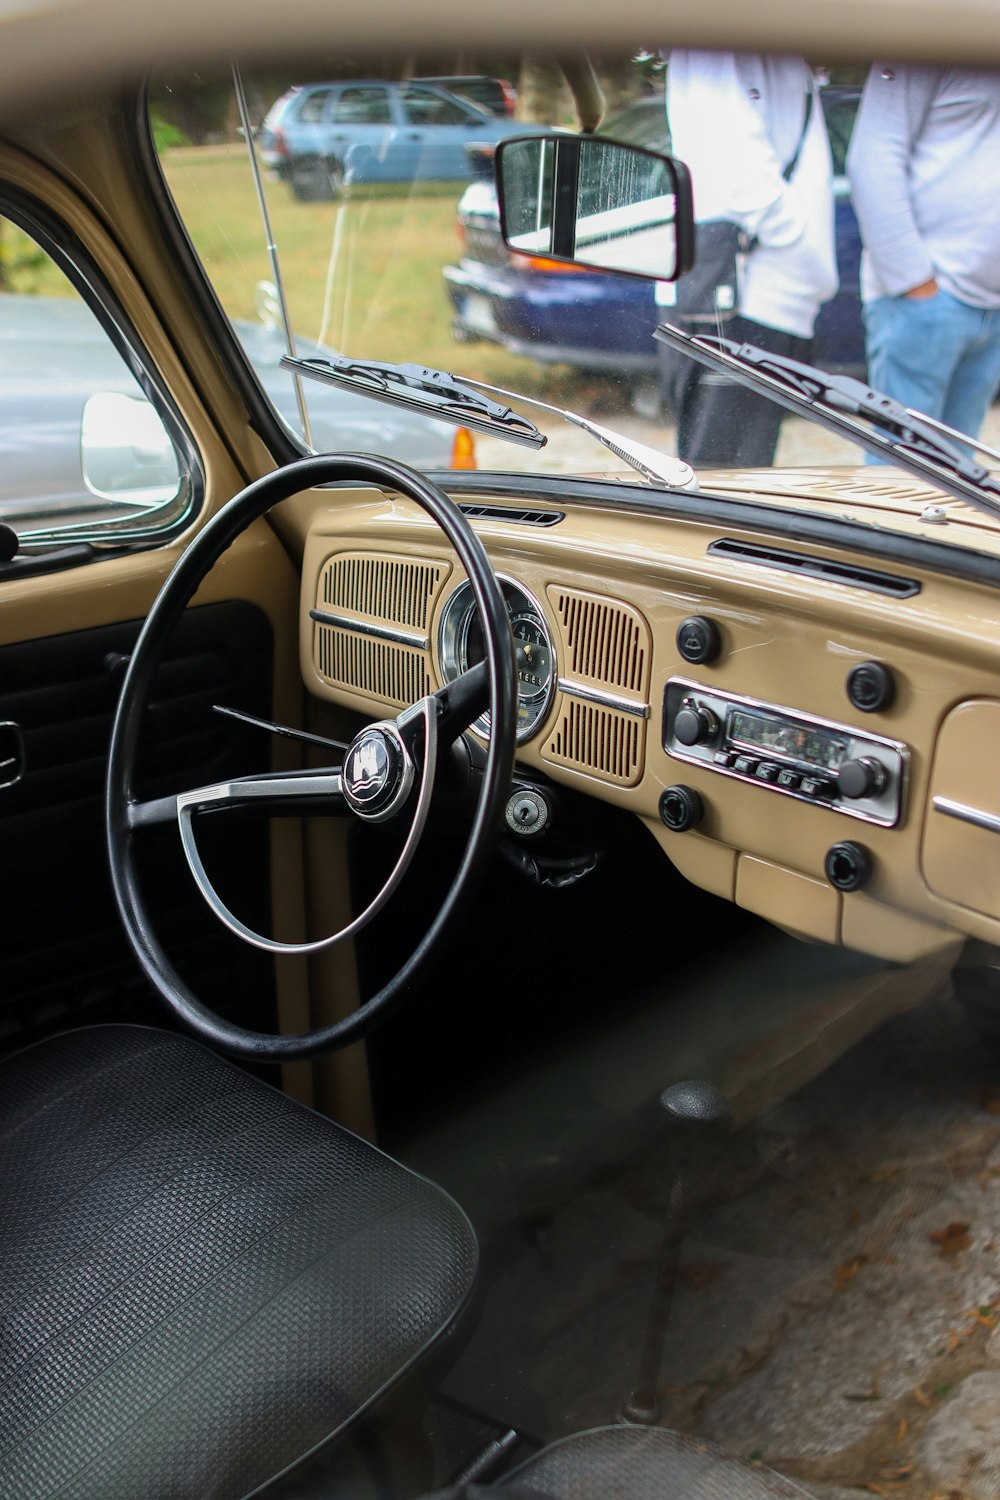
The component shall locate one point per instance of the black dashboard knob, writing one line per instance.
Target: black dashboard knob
(698, 639)
(864, 777)
(694, 724)
(681, 808)
(871, 687)
(848, 866)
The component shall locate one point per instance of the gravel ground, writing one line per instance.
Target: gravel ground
(571, 451)
(834, 1311)
(869, 1358)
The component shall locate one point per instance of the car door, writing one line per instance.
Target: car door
(110, 458)
(441, 127)
(364, 140)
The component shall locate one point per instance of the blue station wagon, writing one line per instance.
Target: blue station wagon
(323, 136)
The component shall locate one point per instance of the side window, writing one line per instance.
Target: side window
(362, 107)
(311, 108)
(83, 452)
(425, 107)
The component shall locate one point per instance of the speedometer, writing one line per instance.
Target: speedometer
(460, 646)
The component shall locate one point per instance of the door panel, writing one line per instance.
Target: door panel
(64, 959)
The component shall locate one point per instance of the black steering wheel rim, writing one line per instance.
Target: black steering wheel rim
(174, 596)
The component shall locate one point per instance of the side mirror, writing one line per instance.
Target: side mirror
(597, 203)
(126, 451)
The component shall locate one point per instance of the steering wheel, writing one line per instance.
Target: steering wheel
(387, 766)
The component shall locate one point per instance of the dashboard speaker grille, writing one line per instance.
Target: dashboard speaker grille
(380, 669)
(607, 642)
(391, 590)
(602, 740)
(379, 602)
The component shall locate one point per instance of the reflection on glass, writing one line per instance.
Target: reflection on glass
(591, 201)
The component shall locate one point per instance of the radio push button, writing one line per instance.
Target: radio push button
(789, 781)
(744, 765)
(767, 771)
(817, 787)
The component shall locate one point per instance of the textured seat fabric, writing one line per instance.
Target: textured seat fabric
(631, 1463)
(641, 1463)
(200, 1280)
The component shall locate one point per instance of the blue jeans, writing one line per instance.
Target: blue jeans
(935, 354)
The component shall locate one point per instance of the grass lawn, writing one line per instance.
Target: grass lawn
(362, 275)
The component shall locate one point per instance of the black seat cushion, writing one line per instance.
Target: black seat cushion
(200, 1280)
(641, 1463)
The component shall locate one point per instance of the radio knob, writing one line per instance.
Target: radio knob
(694, 724)
(864, 777)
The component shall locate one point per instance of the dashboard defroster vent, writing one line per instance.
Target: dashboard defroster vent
(601, 740)
(510, 514)
(851, 575)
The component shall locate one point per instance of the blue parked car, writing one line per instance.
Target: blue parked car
(601, 322)
(322, 136)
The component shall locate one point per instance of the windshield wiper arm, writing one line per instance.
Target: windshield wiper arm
(654, 466)
(897, 434)
(434, 393)
(850, 395)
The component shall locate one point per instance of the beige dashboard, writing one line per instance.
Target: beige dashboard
(613, 587)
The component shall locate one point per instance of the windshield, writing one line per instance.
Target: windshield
(378, 190)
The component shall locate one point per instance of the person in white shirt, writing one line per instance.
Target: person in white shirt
(924, 166)
(751, 132)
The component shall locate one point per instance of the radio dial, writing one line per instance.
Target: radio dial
(861, 778)
(694, 724)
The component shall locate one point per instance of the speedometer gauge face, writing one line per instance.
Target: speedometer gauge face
(460, 646)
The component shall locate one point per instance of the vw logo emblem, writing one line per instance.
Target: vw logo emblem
(371, 771)
(366, 767)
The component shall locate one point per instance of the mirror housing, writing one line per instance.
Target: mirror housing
(125, 451)
(595, 202)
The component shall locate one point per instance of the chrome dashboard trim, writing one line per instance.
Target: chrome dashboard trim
(601, 696)
(965, 814)
(367, 627)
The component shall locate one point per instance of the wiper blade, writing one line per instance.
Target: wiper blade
(897, 434)
(850, 395)
(434, 393)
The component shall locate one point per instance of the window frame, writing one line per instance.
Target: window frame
(154, 528)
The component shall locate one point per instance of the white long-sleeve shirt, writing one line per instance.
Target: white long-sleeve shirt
(736, 120)
(924, 166)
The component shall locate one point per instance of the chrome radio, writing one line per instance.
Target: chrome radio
(798, 755)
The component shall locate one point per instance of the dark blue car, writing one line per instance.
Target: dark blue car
(596, 321)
